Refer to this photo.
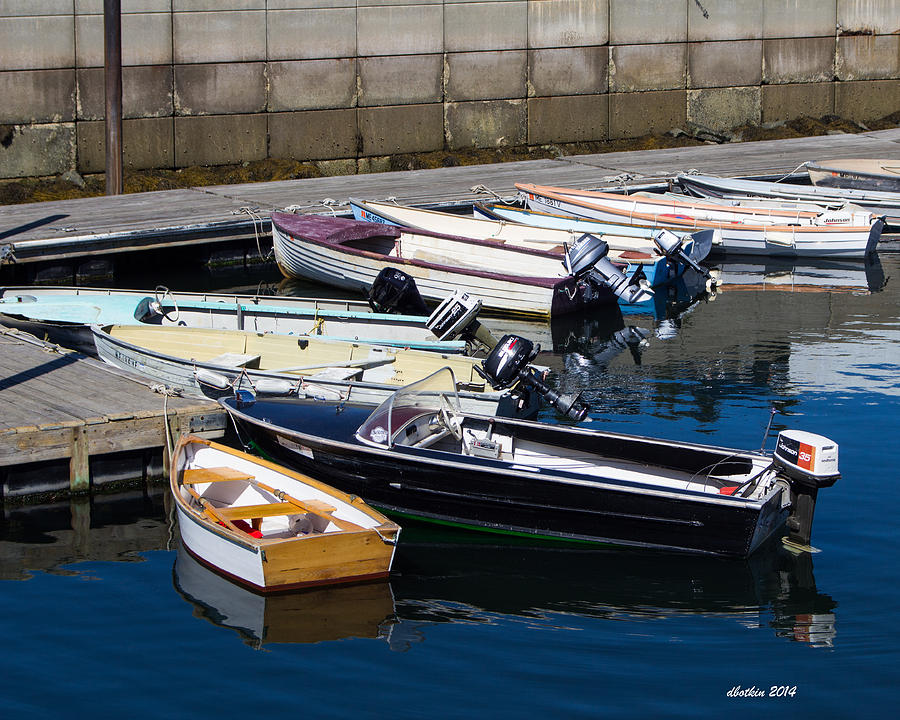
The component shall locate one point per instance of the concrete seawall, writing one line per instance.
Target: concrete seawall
(349, 82)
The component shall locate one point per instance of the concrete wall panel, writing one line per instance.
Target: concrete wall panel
(472, 26)
(485, 75)
(637, 22)
(31, 8)
(725, 20)
(146, 92)
(36, 150)
(867, 99)
(568, 71)
(798, 18)
(313, 135)
(311, 34)
(210, 37)
(798, 60)
(780, 103)
(661, 66)
(146, 39)
(487, 124)
(568, 23)
(400, 30)
(146, 143)
(312, 84)
(868, 57)
(724, 64)
(400, 80)
(880, 17)
(636, 114)
(724, 108)
(37, 96)
(37, 43)
(219, 139)
(578, 118)
(400, 129)
(220, 89)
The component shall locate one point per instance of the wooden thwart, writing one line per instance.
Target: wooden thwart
(195, 476)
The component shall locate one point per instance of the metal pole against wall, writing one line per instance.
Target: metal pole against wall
(112, 71)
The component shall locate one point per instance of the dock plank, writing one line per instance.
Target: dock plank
(69, 228)
(51, 397)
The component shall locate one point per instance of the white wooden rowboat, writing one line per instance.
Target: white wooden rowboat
(270, 528)
(744, 231)
(509, 279)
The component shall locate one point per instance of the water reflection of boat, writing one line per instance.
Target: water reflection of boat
(787, 276)
(365, 610)
(440, 580)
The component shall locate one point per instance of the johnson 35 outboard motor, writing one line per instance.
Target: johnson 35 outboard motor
(586, 260)
(508, 364)
(393, 291)
(809, 462)
(672, 247)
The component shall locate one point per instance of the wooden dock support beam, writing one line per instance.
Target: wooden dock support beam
(79, 464)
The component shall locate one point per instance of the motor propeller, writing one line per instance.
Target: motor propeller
(508, 363)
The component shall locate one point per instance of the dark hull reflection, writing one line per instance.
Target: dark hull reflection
(46, 537)
(364, 610)
(442, 577)
(810, 276)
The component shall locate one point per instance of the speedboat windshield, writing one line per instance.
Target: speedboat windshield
(424, 397)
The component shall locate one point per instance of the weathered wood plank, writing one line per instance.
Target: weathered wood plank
(65, 406)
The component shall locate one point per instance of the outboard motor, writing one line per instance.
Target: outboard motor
(508, 364)
(586, 260)
(672, 247)
(809, 462)
(456, 317)
(393, 291)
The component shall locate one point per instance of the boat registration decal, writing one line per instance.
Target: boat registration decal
(295, 447)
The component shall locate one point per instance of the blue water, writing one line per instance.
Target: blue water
(111, 620)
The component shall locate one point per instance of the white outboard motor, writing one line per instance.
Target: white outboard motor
(672, 247)
(456, 317)
(810, 462)
(586, 259)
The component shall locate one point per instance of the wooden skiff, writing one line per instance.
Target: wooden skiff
(270, 528)
(747, 230)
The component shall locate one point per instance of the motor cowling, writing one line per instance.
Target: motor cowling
(808, 458)
(456, 317)
(393, 291)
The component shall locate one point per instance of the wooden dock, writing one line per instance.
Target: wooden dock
(61, 407)
(68, 229)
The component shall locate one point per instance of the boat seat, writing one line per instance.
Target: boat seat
(235, 360)
(196, 476)
(255, 512)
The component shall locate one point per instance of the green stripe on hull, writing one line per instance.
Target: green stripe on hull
(495, 531)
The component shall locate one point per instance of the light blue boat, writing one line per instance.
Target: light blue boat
(65, 314)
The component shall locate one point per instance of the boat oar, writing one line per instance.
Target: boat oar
(283, 496)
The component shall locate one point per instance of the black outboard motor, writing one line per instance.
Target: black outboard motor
(586, 260)
(508, 364)
(393, 291)
(672, 247)
(456, 317)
